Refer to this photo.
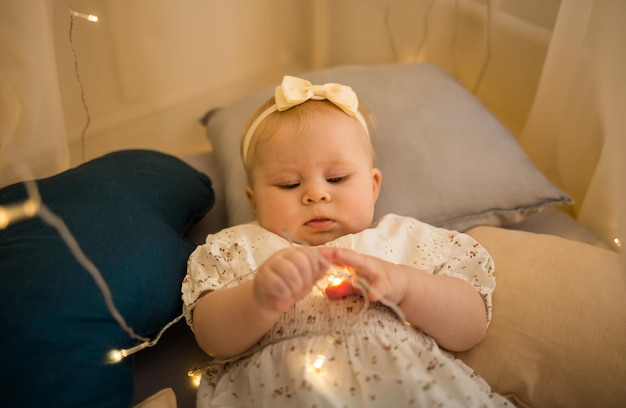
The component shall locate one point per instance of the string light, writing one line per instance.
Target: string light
(92, 18)
(336, 272)
(336, 275)
(13, 213)
(335, 280)
(89, 17)
(318, 363)
(116, 356)
(33, 206)
(617, 242)
(195, 376)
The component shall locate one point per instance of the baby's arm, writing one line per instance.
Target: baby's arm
(228, 321)
(448, 309)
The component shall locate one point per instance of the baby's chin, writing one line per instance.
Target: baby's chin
(321, 238)
(315, 239)
(304, 236)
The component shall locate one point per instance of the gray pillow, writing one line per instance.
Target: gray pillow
(445, 159)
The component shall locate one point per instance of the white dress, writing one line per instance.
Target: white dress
(346, 352)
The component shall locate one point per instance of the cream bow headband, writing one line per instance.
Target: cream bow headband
(295, 91)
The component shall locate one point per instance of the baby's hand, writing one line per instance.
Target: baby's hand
(287, 276)
(387, 280)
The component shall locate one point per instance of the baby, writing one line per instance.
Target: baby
(314, 305)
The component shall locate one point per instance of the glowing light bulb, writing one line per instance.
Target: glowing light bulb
(617, 242)
(335, 280)
(115, 356)
(195, 377)
(13, 213)
(336, 275)
(89, 17)
(318, 363)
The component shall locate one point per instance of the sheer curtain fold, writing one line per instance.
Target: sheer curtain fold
(559, 83)
(575, 130)
(33, 139)
(611, 58)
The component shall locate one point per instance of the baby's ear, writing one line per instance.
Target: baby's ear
(250, 195)
(377, 179)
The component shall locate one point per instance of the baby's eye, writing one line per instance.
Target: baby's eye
(288, 186)
(335, 180)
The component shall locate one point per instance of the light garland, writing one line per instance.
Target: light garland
(116, 356)
(318, 363)
(13, 213)
(195, 376)
(33, 206)
(89, 17)
(335, 276)
(335, 280)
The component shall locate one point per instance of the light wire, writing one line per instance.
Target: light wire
(79, 82)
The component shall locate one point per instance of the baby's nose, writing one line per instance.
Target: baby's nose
(315, 194)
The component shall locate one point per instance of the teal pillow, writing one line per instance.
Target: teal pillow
(128, 210)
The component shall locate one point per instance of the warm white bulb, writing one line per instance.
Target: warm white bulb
(115, 356)
(617, 242)
(335, 280)
(195, 377)
(4, 218)
(89, 17)
(13, 213)
(319, 363)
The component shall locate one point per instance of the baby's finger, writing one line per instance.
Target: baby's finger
(271, 290)
(319, 264)
(364, 266)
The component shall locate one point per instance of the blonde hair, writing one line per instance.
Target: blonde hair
(299, 114)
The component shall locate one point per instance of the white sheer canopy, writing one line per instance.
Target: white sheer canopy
(573, 126)
(576, 129)
(33, 141)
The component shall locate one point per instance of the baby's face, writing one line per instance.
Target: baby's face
(316, 183)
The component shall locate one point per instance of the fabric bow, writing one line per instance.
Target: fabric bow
(294, 91)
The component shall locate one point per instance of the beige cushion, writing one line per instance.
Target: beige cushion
(162, 399)
(558, 334)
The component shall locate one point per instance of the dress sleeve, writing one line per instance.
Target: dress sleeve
(226, 259)
(470, 261)
(434, 250)
(220, 262)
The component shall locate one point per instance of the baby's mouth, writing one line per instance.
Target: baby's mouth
(320, 223)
